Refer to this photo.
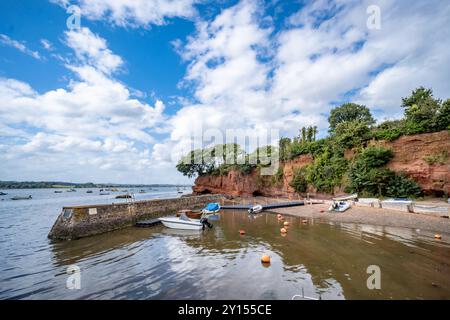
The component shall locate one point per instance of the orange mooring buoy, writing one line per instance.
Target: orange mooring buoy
(322, 210)
(265, 259)
(241, 232)
(437, 236)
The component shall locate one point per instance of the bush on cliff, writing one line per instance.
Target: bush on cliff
(400, 186)
(367, 175)
(326, 172)
(299, 182)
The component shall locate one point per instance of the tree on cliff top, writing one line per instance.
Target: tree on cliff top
(424, 113)
(349, 112)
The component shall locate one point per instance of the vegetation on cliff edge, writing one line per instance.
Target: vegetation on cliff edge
(351, 126)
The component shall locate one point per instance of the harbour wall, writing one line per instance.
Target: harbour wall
(81, 221)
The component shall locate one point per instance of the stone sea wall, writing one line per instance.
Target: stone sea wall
(82, 221)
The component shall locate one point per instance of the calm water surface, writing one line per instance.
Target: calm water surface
(319, 258)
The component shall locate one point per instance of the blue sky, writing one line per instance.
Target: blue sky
(121, 98)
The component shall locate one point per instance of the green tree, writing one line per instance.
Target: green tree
(303, 133)
(443, 116)
(349, 112)
(309, 134)
(284, 147)
(351, 133)
(421, 111)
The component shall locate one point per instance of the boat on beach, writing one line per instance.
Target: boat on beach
(349, 197)
(3, 194)
(57, 191)
(255, 209)
(21, 198)
(401, 204)
(339, 206)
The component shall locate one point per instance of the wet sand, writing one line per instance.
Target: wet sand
(366, 215)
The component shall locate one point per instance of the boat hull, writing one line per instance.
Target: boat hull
(177, 223)
(341, 207)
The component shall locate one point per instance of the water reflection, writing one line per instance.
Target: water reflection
(322, 259)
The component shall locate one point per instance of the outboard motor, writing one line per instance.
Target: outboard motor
(205, 222)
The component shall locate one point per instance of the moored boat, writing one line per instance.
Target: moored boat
(123, 196)
(190, 214)
(211, 208)
(21, 198)
(185, 223)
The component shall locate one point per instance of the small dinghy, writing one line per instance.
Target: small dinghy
(58, 191)
(255, 209)
(3, 194)
(211, 208)
(339, 206)
(185, 223)
(190, 214)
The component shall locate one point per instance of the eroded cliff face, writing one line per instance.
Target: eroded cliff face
(411, 155)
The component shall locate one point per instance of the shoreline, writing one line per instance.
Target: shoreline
(365, 215)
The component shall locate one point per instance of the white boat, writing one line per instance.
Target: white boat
(181, 223)
(255, 209)
(440, 211)
(349, 197)
(397, 204)
(368, 202)
(339, 206)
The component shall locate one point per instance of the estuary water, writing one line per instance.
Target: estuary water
(317, 259)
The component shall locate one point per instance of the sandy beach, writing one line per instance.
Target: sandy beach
(366, 215)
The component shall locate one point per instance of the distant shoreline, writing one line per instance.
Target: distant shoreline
(68, 185)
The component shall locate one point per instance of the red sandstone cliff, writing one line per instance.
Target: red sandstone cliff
(410, 154)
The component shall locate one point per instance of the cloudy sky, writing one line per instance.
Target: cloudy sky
(119, 99)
